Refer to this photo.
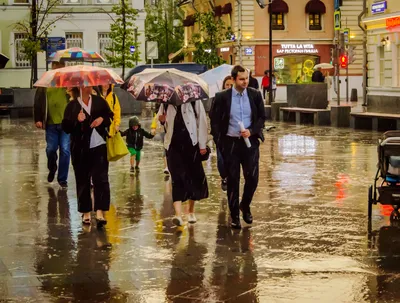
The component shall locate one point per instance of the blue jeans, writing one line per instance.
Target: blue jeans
(57, 138)
(221, 164)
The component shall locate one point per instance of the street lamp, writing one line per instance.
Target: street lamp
(263, 4)
(270, 52)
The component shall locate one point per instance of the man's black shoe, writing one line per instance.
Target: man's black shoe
(247, 216)
(50, 177)
(224, 185)
(236, 223)
(63, 184)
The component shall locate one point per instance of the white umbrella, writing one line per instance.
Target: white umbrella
(215, 76)
(323, 66)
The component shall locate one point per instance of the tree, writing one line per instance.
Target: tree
(164, 25)
(124, 35)
(36, 30)
(212, 32)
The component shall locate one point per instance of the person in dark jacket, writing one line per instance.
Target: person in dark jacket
(317, 76)
(253, 82)
(48, 111)
(134, 139)
(245, 105)
(86, 119)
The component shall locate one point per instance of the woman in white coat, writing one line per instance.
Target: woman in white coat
(185, 142)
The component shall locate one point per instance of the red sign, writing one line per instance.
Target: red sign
(392, 22)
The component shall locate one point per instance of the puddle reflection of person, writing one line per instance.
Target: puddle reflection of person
(187, 271)
(58, 238)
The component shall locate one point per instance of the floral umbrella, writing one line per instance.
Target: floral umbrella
(76, 54)
(167, 86)
(78, 76)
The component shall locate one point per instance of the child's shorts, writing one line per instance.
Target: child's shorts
(135, 152)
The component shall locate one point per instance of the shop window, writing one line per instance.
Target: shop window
(278, 21)
(314, 21)
(294, 68)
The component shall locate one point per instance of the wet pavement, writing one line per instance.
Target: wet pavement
(308, 243)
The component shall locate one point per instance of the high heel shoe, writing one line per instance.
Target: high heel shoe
(101, 222)
(85, 221)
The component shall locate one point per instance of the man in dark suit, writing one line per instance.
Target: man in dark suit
(239, 104)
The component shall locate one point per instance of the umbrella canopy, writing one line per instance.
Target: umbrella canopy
(323, 66)
(78, 76)
(76, 54)
(215, 77)
(167, 86)
(3, 60)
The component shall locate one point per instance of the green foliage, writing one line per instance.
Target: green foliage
(164, 25)
(123, 35)
(36, 28)
(213, 32)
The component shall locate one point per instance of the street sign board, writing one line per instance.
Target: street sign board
(378, 7)
(132, 49)
(151, 50)
(53, 44)
(338, 23)
(346, 33)
(248, 51)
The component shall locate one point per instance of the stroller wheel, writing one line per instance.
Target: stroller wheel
(370, 201)
(395, 215)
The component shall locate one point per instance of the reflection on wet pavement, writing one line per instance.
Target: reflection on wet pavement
(308, 242)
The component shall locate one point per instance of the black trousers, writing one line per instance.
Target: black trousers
(94, 165)
(236, 154)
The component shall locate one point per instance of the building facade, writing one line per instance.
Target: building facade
(383, 28)
(303, 36)
(87, 25)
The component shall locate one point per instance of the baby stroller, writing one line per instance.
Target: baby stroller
(388, 193)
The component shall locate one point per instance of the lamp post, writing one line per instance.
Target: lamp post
(270, 52)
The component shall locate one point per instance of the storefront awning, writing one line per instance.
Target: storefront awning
(278, 7)
(315, 7)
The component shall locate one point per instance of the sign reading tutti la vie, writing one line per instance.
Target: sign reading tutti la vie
(379, 7)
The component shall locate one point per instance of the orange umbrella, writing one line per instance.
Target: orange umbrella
(78, 76)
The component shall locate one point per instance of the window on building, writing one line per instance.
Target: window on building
(71, 2)
(21, 1)
(21, 59)
(382, 66)
(105, 2)
(278, 22)
(104, 42)
(314, 21)
(74, 40)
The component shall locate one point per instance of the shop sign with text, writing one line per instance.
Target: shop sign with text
(297, 49)
(392, 23)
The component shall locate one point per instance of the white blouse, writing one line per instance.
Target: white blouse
(95, 139)
(197, 129)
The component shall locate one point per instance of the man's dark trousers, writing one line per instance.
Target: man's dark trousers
(236, 154)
